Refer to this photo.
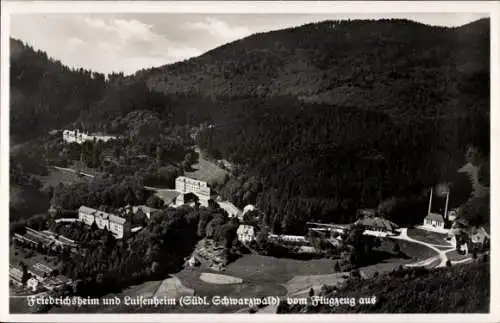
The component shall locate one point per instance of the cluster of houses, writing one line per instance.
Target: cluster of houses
(45, 239)
(41, 277)
(449, 224)
(80, 137)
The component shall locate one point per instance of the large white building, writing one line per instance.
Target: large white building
(185, 185)
(80, 137)
(103, 220)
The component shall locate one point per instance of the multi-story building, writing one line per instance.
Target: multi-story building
(86, 215)
(116, 225)
(80, 137)
(186, 185)
(103, 220)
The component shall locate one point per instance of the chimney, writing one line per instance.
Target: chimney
(430, 202)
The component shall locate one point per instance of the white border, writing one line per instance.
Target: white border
(359, 7)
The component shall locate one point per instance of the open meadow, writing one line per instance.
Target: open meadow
(206, 170)
(427, 236)
(252, 276)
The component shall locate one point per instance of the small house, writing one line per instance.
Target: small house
(193, 262)
(434, 220)
(245, 233)
(32, 284)
(479, 236)
(452, 215)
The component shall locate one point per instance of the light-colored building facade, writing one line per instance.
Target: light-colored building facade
(434, 220)
(116, 225)
(249, 208)
(186, 185)
(231, 209)
(103, 220)
(80, 137)
(32, 284)
(16, 275)
(245, 233)
(86, 215)
(289, 238)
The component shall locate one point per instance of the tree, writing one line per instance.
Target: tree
(154, 202)
(262, 238)
(396, 249)
(26, 275)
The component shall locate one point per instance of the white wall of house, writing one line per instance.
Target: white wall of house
(245, 233)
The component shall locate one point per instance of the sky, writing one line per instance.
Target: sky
(129, 42)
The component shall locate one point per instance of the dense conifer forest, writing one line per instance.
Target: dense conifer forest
(323, 118)
(460, 289)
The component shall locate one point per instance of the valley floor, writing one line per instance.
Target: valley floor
(259, 276)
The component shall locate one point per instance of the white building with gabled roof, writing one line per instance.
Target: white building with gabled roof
(434, 220)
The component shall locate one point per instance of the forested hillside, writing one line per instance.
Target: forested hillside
(460, 289)
(407, 69)
(320, 119)
(44, 94)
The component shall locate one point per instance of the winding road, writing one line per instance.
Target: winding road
(441, 254)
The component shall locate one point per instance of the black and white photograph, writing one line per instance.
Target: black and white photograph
(237, 161)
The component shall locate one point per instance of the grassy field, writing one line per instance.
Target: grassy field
(206, 170)
(301, 284)
(261, 276)
(455, 256)
(57, 176)
(427, 236)
(257, 268)
(416, 251)
(218, 279)
(411, 253)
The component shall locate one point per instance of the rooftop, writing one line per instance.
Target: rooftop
(117, 219)
(144, 208)
(375, 222)
(15, 273)
(228, 206)
(167, 195)
(435, 217)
